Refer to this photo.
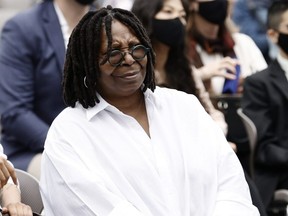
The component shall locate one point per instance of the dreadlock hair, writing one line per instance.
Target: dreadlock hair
(275, 12)
(81, 69)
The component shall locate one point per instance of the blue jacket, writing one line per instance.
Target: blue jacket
(32, 53)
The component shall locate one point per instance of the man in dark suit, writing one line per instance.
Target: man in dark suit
(265, 101)
(32, 52)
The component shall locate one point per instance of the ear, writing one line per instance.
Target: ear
(273, 35)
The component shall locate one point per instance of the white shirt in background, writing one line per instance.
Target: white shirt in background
(63, 23)
(125, 4)
(247, 52)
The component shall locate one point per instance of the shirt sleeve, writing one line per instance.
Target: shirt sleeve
(75, 188)
(233, 195)
(125, 208)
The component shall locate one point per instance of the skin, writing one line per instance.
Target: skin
(6, 170)
(72, 11)
(218, 68)
(274, 34)
(11, 201)
(121, 85)
(171, 9)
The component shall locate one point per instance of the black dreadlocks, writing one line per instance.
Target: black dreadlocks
(81, 69)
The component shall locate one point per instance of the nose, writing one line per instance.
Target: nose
(128, 59)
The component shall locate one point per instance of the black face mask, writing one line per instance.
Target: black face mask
(283, 42)
(214, 11)
(85, 2)
(170, 32)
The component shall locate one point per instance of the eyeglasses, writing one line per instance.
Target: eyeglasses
(116, 56)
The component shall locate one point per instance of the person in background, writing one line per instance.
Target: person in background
(251, 17)
(124, 4)
(126, 147)
(165, 22)
(265, 101)
(223, 59)
(32, 53)
(9, 190)
(216, 50)
(172, 68)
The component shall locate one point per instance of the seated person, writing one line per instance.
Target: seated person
(216, 48)
(265, 101)
(126, 147)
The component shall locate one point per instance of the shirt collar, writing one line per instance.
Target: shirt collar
(284, 64)
(63, 24)
(104, 105)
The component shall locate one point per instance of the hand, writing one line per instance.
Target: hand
(6, 170)
(219, 68)
(17, 209)
(240, 85)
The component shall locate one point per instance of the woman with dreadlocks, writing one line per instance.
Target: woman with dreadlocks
(126, 147)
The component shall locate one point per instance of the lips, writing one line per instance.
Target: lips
(127, 75)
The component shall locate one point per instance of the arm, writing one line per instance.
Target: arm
(257, 105)
(219, 68)
(17, 72)
(233, 193)
(11, 201)
(77, 190)
(6, 171)
(206, 102)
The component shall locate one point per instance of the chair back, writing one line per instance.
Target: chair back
(30, 191)
(252, 137)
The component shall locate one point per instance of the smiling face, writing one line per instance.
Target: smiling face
(127, 78)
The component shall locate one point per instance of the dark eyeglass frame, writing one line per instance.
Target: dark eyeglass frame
(123, 53)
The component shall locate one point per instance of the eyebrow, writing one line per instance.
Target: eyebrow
(172, 7)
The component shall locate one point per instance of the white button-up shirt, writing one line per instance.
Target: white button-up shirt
(99, 161)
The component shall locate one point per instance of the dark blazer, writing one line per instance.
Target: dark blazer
(265, 101)
(32, 53)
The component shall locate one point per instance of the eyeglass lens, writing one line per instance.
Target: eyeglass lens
(117, 56)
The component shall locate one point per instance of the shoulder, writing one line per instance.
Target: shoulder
(174, 96)
(178, 102)
(69, 116)
(77, 111)
(257, 78)
(242, 38)
(27, 18)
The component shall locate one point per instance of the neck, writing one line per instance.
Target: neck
(283, 54)
(134, 106)
(72, 11)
